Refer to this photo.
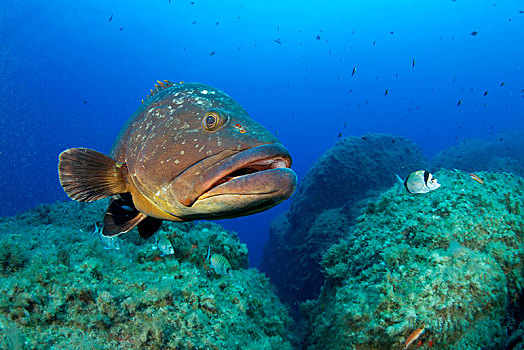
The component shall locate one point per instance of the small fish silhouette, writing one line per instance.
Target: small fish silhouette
(110, 18)
(474, 33)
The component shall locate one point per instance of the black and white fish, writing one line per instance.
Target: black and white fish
(420, 181)
(164, 245)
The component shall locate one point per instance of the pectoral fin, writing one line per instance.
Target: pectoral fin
(87, 175)
(148, 227)
(121, 215)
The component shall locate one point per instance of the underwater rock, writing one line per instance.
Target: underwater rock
(351, 168)
(469, 155)
(506, 164)
(11, 257)
(354, 169)
(72, 292)
(510, 143)
(450, 261)
(502, 154)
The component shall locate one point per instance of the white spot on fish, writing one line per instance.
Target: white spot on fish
(182, 152)
(204, 92)
(176, 161)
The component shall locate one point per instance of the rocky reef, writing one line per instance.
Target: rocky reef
(450, 261)
(502, 154)
(63, 287)
(326, 204)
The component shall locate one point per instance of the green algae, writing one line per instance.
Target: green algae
(450, 260)
(73, 293)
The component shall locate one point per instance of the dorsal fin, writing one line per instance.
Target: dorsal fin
(87, 175)
(160, 86)
(121, 215)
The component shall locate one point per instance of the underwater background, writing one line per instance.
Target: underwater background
(446, 78)
(70, 77)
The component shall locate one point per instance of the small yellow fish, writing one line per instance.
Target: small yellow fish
(477, 178)
(414, 336)
(220, 264)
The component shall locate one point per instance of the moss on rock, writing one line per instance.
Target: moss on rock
(450, 260)
(74, 293)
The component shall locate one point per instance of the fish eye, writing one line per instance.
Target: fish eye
(213, 120)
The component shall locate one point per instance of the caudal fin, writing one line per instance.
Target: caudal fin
(87, 175)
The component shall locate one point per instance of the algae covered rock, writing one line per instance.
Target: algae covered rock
(502, 154)
(330, 197)
(73, 292)
(450, 260)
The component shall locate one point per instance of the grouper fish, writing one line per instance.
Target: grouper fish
(189, 152)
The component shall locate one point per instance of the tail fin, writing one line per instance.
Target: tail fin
(88, 175)
(400, 184)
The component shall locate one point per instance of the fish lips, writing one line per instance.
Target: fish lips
(258, 178)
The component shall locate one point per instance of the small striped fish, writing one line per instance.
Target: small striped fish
(220, 264)
(477, 178)
(414, 336)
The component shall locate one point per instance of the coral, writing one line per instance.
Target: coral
(72, 292)
(450, 260)
(331, 196)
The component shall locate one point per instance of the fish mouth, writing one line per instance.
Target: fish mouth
(252, 179)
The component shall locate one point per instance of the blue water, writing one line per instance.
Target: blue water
(69, 77)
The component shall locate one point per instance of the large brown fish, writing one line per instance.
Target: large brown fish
(189, 152)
